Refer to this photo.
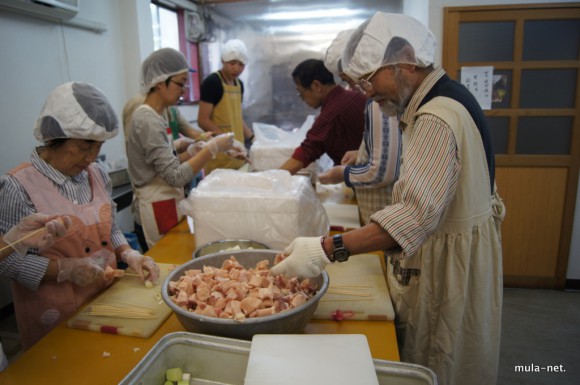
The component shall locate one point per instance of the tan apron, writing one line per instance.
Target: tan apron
(158, 208)
(227, 116)
(38, 312)
(449, 311)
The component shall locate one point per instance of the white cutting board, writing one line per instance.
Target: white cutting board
(131, 292)
(310, 359)
(342, 216)
(362, 292)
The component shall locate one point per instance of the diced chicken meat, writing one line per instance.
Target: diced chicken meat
(234, 292)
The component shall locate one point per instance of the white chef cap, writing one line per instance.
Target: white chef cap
(161, 65)
(388, 38)
(235, 50)
(334, 50)
(79, 111)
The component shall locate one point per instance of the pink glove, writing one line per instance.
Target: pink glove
(141, 264)
(23, 237)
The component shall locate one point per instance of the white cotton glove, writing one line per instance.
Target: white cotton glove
(141, 264)
(22, 236)
(306, 259)
(194, 148)
(80, 271)
(220, 143)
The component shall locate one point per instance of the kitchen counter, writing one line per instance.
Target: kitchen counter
(72, 356)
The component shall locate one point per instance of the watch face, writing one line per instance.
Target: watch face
(341, 255)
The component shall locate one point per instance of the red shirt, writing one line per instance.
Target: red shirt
(337, 129)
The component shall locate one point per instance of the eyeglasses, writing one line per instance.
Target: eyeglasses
(182, 85)
(365, 84)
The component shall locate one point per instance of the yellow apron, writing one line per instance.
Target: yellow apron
(227, 116)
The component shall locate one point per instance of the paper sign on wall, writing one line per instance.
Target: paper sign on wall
(479, 81)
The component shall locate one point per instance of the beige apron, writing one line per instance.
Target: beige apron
(227, 116)
(157, 204)
(449, 311)
(158, 208)
(40, 311)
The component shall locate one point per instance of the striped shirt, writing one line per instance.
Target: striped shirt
(16, 204)
(428, 181)
(377, 163)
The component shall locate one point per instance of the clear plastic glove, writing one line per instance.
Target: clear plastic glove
(194, 148)
(80, 271)
(306, 259)
(238, 151)
(220, 143)
(141, 265)
(333, 176)
(23, 237)
(182, 144)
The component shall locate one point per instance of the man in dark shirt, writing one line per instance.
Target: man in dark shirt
(339, 126)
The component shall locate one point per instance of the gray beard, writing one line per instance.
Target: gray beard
(391, 108)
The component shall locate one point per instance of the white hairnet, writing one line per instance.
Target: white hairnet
(235, 50)
(334, 50)
(161, 65)
(79, 111)
(388, 38)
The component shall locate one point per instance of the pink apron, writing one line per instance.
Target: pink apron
(38, 312)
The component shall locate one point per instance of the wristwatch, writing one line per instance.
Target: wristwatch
(340, 252)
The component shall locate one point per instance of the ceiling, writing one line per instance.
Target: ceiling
(262, 14)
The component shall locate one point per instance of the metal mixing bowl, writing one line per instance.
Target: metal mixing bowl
(287, 322)
(228, 245)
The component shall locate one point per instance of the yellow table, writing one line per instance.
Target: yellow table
(71, 356)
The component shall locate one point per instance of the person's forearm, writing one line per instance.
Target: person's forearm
(366, 239)
(198, 161)
(209, 126)
(292, 165)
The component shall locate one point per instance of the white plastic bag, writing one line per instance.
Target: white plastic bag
(271, 207)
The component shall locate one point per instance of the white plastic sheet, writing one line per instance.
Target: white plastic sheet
(273, 146)
(271, 207)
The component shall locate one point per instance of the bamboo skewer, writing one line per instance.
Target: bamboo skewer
(9, 245)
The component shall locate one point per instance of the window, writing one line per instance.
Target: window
(169, 31)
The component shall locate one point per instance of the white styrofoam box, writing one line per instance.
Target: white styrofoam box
(272, 207)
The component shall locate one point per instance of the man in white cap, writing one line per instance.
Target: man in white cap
(442, 233)
(374, 167)
(220, 105)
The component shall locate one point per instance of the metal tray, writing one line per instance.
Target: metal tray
(223, 361)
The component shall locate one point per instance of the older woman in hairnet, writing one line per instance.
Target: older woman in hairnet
(51, 283)
(158, 175)
(374, 167)
(442, 233)
(220, 105)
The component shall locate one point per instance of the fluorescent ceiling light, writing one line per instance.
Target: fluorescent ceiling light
(315, 14)
(316, 28)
